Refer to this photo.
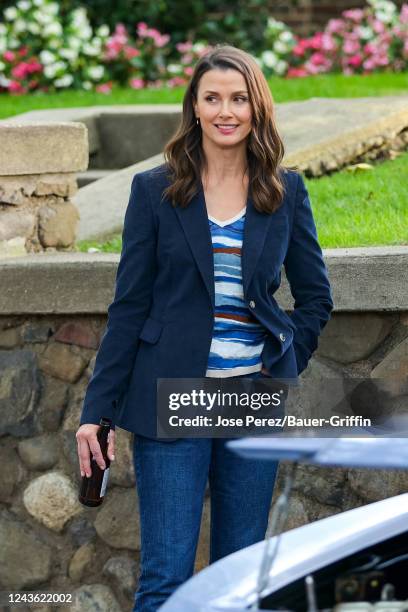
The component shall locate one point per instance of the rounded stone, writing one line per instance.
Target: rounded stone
(52, 500)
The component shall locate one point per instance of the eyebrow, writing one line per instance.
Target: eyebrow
(233, 93)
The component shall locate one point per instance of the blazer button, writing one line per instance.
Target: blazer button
(282, 337)
(252, 304)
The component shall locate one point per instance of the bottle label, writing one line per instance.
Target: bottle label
(104, 482)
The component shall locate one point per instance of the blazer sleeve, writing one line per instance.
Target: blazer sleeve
(129, 309)
(308, 279)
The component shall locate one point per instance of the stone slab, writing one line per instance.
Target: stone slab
(42, 147)
(362, 279)
(110, 195)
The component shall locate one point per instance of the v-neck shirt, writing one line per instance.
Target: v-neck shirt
(238, 338)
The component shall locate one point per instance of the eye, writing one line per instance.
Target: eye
(242, 98)
(209, 98)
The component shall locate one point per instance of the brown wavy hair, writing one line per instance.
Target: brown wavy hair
(184, 155)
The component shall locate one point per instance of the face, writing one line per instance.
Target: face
(223, 107)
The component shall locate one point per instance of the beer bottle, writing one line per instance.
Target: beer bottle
(92, 489)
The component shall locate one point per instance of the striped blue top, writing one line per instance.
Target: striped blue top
(238, 338)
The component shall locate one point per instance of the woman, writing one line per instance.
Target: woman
(187, 305)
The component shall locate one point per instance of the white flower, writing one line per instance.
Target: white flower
(54, 43)
(4, 82)
(103, 31)
(95, 72)
(46, 57)
(85, 32)
(23, 5)
(64, 81)
(74, 43)
(69, 54)
(10, 13)
(13, 43)
(286, 36)
(198, 47)
(19, 26)
(51, 70)
(91, 50)
(87, 85)
(33, 27)
(42, 17)
(53, 29)
(281, 67)
(280, 47)
(273, 24)
(173, 68)
(269, 58)
(365, 32)
(38, 2)
(52, 8)
(3, 29)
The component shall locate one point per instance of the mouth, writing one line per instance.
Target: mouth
(226, 128)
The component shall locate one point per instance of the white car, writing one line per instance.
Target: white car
(354, 561)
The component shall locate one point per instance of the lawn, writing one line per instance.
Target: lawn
(365, 208)
(283, 90)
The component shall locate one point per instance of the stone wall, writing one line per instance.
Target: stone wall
(38, 162)
(48, 343)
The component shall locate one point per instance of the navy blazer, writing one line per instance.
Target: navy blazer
(160, 322)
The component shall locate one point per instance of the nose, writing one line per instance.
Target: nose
(225, 111)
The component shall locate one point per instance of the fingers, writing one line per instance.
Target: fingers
(96, 451)
(88, 445)
(111, 444)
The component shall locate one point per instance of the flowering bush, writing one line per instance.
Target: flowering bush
(279, 42)
(363, 40)
(38, 51)
(42, 50)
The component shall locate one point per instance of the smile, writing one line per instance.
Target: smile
(226, 129)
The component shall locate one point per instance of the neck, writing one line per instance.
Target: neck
(224, 164)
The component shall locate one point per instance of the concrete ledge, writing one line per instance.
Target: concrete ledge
(42, 148)
(363, 279)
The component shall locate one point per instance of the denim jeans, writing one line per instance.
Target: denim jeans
(171, 479)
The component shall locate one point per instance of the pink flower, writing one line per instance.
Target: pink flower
(369, 64)
(335, 26)
(105, 88)
(351, 46)
(175, 81)
(354, 14)
(369, 48)
(188, 70)
(296, 73)
(15, 87)
(404, 14)
(318, 59)
(355, 60)
(131, 52)
(328, 43)
(20, 71)
(136, 83)
(22, 52)
(378, 26)
(184, 47)
(9, 56)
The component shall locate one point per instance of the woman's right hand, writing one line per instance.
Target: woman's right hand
(88, 443)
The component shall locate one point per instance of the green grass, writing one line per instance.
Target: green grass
(366, 208)
(283, 90)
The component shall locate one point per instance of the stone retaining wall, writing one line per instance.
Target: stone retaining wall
(49, 337)
(38, 162)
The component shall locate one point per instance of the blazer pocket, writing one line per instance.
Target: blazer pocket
(151, 331)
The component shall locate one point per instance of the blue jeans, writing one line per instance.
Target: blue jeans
(171, 479)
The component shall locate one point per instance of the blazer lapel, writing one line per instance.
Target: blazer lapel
(194, 220)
